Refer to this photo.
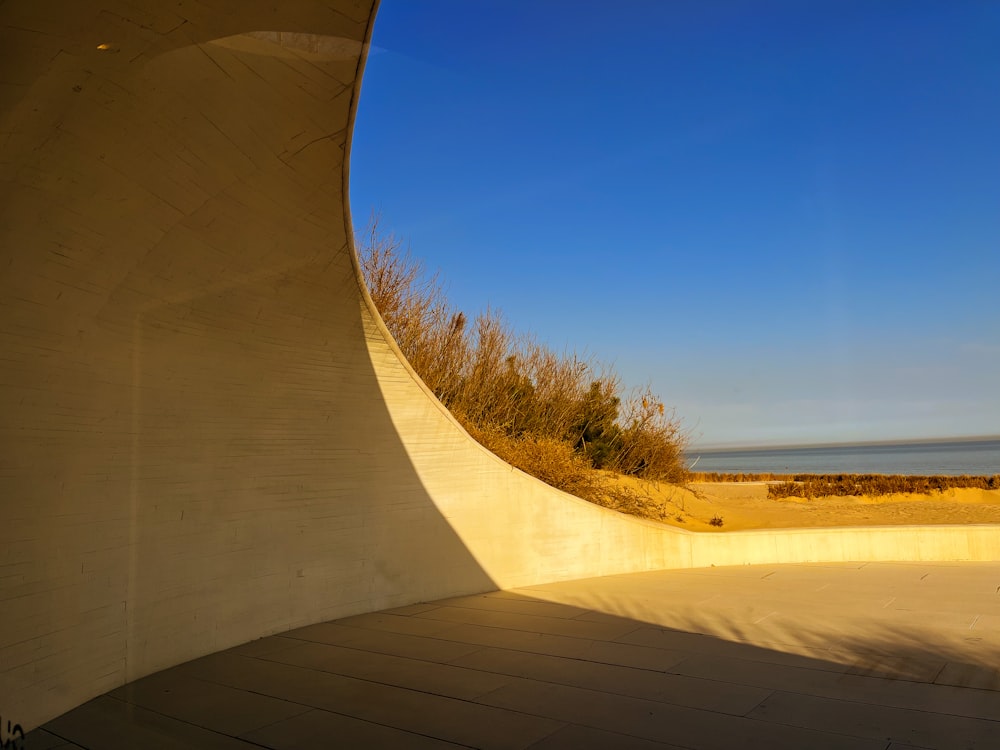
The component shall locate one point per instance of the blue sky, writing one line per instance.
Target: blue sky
(783, 215)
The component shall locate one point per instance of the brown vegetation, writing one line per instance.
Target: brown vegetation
(874, 485)
(717, 476)
(561, 418)
(558, 417)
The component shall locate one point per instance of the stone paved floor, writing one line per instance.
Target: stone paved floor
(868, 656)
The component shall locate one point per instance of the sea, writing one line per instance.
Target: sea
(949, 457)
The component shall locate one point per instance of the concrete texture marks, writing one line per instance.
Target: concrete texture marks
(779, 656)
(207, 435)
(176, 269)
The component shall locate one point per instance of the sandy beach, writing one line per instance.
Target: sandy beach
(745, 505)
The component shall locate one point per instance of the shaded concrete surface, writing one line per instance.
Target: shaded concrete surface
(194, 449)
(878, 656)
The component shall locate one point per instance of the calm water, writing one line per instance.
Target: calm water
(980, 457)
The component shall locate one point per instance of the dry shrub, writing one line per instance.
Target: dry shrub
(552, 461)
(627, 500)
(558, 465)
(410, 301)
(651, 441)
(556, 416)
(874, 485)
(717, 476)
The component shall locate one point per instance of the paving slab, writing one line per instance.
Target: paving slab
(387, 642)
(414, 710)
(575, 737)
(688, 727)
(441, 679)
(320, 729)
(766, 657)
(574, 628)
(981, 675)
(603, 652)
(220, 708)
(516, 605)
(40, 739)
(983, 704)
(106, 723)
(883, 723)
(714, 695)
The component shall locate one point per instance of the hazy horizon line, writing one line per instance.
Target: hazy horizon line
(720, 447)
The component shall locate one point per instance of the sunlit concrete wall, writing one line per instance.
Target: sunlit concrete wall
(206, 435)
(522, 532)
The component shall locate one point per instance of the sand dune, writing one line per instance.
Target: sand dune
(745, 505)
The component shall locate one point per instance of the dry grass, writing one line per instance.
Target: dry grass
(874, 485)
(558, 465)
(564, 419)
(651, 442)
(716, 476)
(552, 461)
(850, 485)
(558, 417)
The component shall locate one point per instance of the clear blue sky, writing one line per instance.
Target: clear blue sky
(783, 215)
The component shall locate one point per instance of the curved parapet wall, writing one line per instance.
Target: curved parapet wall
(207, 435)
(522, 532)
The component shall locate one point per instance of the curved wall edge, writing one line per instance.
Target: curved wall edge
(208, 435)
(523, 532)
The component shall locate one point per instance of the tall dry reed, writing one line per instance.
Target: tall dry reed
(558, 416)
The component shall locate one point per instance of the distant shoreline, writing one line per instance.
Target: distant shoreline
(722, 449)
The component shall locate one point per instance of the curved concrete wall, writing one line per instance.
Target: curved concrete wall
(207, 435)
(522, 532)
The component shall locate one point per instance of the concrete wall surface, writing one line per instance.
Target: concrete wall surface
(207, 435)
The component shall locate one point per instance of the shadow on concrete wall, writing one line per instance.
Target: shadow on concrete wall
(196, 451)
